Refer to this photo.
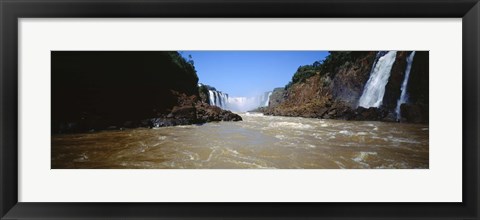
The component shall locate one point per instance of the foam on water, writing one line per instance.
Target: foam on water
(256, 142)
(362, 157)
(294, 125)
(345, 132)
(254, 114)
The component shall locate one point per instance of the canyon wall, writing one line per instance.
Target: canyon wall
(96, 90)
(333, 89)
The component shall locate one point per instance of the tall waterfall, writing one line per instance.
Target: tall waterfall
(238, 104)
(404, 96)
(217, 98)
(268, 99)
(374, 89)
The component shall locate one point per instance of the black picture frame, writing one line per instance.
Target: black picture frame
(12, 10)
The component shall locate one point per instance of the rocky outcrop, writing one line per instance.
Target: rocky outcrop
(329, 94)
(418, 89)
(335, 88)
(397, 74)
(306, 99)
(112, 90)
(277, 97)
(417, 108)
(416, 113)
(350, 77)
(203, 93)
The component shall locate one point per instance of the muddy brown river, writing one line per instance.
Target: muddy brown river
(256, 142)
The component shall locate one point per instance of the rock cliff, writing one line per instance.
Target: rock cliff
(96, 90)
(332, 89)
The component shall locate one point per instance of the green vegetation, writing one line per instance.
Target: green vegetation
(203, 92)
(337, 59)
(203, 89)
(187, 66)
(328, 66)
(304, 72)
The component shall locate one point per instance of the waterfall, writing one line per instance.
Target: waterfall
(211, 97)
(403, 96)
(224, 100)
(375, 87)
(268, 99)
(217, 98)
(238, 104)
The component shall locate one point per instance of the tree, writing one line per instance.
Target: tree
(190, 60)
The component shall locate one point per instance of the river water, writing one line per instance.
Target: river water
(256, 142)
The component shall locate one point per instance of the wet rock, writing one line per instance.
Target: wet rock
(397, 74)
(145, 123)
(321, 111)
(391, 117)
(129, 124)
(332, 113)
(413, 113)
(208, 113)
(369, 114)
(418, 84)
(229, 116)
(349, 78)
(184, 112)
(112, 128)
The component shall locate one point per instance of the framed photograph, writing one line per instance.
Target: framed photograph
(227, 109)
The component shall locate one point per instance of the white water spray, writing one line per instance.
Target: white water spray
(218, 98)
(268, 99)
(238, 104)
(375, 87)
(404, 96)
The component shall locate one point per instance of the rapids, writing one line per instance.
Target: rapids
(256, 142)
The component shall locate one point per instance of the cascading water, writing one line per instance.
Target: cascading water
(217, 98)
(374, 89)
(211, 97)
(268, 99)
(404, 96)
(237, 104)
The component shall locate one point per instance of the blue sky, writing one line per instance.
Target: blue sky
(249, 73)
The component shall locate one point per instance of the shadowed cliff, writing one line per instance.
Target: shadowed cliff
(95, 90)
